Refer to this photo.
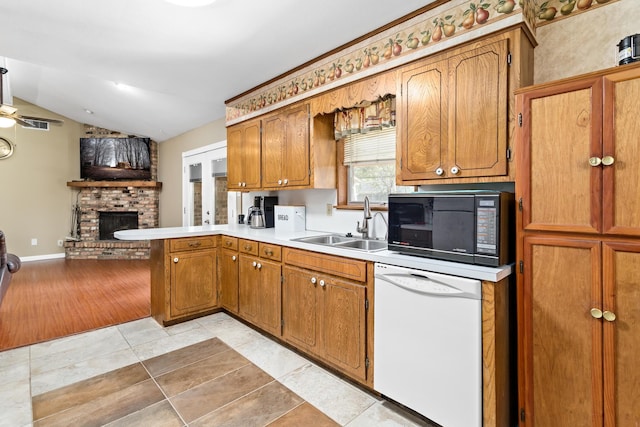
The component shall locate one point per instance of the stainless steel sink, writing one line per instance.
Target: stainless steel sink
(345, 242)
(323, 240)
(364, 245)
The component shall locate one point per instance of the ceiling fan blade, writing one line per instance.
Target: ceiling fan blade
(7, 109)
(42, 119)
(21, 122)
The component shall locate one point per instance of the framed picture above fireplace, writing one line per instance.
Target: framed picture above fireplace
(107, 158)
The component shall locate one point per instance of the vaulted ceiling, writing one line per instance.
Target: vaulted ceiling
(151, 68)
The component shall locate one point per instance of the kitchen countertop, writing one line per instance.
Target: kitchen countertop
(271, 235)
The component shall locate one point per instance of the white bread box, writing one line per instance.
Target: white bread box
(290, 218)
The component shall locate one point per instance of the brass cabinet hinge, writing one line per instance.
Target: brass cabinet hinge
(509, 58)
(520, 204)
(366, 304)
(366, 362)
(508, 153)
(521, 266)
(522, 414)
(520, 119)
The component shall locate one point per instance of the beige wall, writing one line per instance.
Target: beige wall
(170, 167)
(585, 42)
(35, 201)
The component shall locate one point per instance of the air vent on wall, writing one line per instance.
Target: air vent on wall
(36, 124)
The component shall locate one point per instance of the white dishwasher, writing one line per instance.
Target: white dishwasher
(428, 343)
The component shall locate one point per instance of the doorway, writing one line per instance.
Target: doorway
(204, 186)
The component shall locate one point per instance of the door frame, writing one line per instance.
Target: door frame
(204, 155)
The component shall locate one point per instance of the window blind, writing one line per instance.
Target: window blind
(373, 146)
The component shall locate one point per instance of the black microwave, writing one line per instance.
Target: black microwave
(474, 227)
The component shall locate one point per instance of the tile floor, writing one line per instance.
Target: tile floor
(157, 365)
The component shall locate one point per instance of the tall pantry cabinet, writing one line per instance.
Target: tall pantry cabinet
(578, 190)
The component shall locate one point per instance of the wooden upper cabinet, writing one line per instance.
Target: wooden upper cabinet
(621, 130)
(561, 128)
(422, 121)
(243, 156)
(453, 115)
(578, 155)
(285, 148)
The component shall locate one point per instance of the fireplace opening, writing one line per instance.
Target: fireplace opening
(110, 222)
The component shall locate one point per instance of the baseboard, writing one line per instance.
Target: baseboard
(41, 257)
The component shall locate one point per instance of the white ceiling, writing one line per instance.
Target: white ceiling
(179, 64)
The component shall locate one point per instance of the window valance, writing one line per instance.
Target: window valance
(365, 117)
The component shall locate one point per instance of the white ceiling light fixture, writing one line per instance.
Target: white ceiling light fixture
(6, 122)
(191, 3)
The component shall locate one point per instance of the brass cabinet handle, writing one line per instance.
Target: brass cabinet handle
(609, 316)
(194, 244)
(595, 161)
(596, 313)
(268, 252)
(175, 260)
(228, 243)
(247, 247)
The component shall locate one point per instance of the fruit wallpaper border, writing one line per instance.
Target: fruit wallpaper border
(436, 26)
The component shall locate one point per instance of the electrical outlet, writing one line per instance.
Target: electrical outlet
(329, 209)
(34, 242)
(60, 243)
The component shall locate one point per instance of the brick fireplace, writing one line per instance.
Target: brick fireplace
(137, 200)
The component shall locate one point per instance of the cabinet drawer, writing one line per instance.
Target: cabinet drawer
(248, 246)
(192, 243)
(337, 266)
(273, 252)
(229, 243)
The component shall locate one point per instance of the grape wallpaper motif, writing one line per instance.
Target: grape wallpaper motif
(454, 19)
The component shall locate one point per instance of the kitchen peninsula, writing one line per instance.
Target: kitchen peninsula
(317, 299)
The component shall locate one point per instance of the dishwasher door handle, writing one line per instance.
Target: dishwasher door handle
(416, 283)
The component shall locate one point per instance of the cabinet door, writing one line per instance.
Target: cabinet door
(273, 145)
(243, 156)
(269, 297)
(344, 325)
(193, 282)
(561, 342)
(295, 162)
(621, 270)
(300, 308)
(561, 131)
(621, 133)
(248, 285)
(478, 112)
(422, 122)
(229, 280)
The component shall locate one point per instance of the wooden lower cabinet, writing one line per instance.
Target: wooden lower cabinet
(259, 292)
(324, 309)
(228, 260)
(580, 332)
(183, 278)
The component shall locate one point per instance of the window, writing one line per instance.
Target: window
(370, 159)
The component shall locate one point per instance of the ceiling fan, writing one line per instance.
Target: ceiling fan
(9, 115)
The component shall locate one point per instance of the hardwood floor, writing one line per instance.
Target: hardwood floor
(55, 298)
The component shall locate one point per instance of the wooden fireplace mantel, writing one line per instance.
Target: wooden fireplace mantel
(85, 184)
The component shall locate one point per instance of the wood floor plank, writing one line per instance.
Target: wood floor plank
(55, 298)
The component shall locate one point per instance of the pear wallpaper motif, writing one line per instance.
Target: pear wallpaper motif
(454, 19)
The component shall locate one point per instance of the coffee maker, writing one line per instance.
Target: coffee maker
(262, 213)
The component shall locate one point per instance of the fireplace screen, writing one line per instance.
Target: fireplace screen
(110, 222)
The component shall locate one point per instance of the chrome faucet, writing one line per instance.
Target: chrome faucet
(386, 235)
(365, 219)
